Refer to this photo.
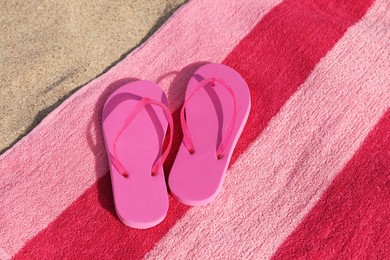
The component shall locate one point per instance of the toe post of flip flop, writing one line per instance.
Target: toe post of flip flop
(216, 108)
(135, 121)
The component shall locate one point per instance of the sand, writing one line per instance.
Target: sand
(49, 49)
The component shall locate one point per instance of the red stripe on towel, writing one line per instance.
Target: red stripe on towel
(90, 228)
(275, 58)
(351, 220)
(279, 54)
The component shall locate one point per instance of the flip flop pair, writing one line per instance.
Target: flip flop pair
(135, 121)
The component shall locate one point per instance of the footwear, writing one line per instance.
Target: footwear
(214, 113)
(135, 120)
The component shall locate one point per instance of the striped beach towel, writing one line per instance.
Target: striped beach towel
(309, 179)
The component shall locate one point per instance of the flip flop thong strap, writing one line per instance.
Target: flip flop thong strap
(138, 107)
(187, 140)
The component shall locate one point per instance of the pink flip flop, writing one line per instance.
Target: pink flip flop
(135, 120)
(213, 116)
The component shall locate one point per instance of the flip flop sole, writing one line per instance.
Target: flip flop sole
(195, 179)
(141, 200)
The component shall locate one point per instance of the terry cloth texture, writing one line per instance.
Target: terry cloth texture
(309, 177)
